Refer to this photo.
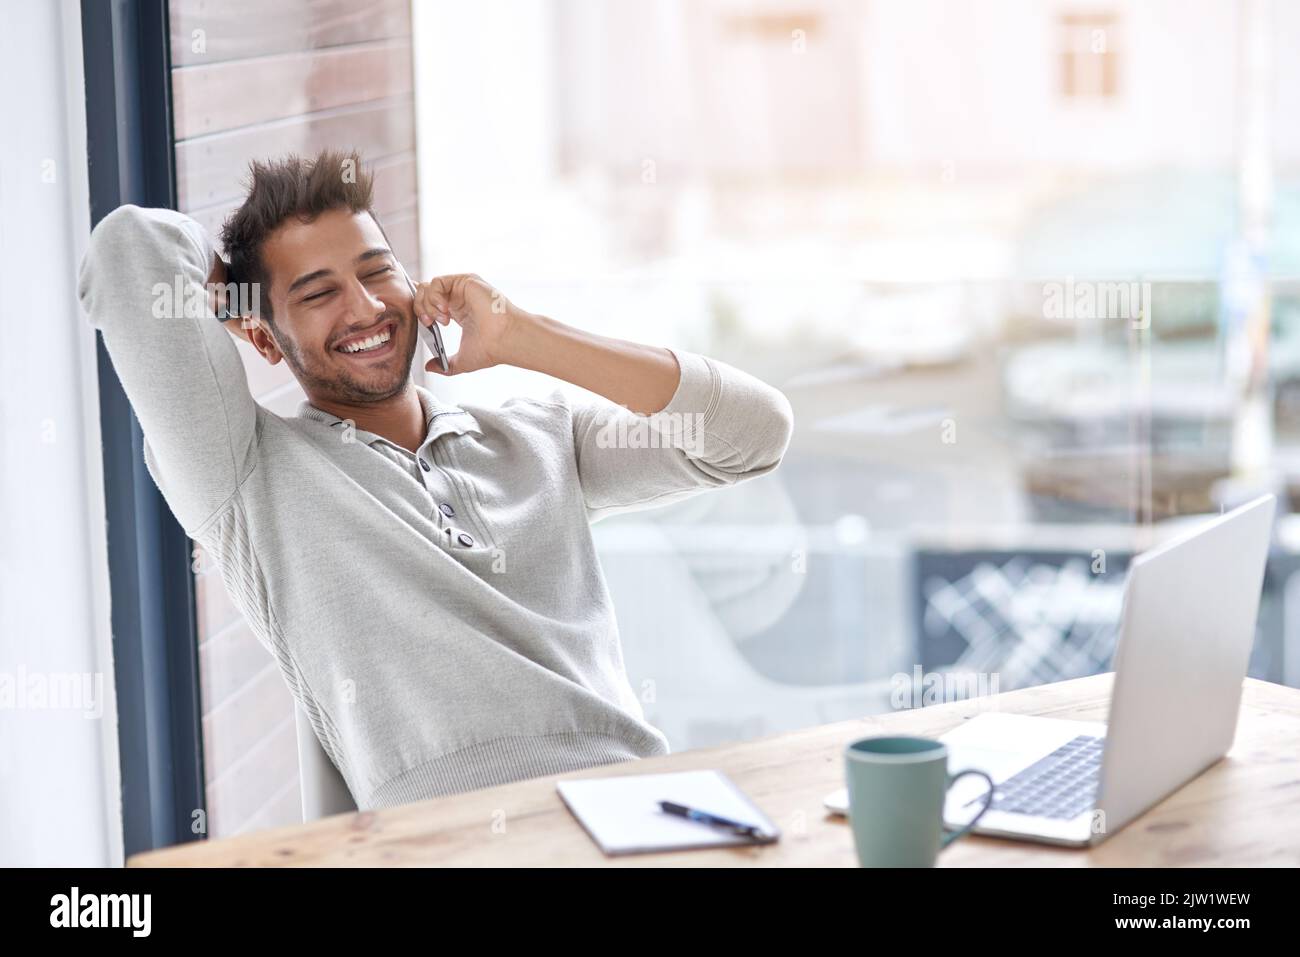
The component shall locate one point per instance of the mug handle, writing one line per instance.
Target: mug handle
(949, 838)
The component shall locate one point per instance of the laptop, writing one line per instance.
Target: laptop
(1186, 631)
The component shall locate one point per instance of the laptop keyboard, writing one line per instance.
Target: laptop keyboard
(1061, 785)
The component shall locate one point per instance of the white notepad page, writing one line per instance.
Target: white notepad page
(622, 814)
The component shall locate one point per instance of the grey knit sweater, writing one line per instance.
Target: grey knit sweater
(441, 617)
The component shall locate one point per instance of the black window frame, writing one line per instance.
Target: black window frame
(126, 51)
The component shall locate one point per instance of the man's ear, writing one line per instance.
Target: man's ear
(247, 327)
(258, 334)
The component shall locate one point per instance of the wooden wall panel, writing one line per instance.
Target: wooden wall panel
(214, 609)
(226, 96)
(213, 168)
(259, 705)
(258, 778)
(213, 31)
(228, 660)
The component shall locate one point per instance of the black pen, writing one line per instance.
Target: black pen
(713, 820)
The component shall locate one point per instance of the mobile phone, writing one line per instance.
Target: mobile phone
(431, 335)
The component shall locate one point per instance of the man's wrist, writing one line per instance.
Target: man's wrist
(525, 339)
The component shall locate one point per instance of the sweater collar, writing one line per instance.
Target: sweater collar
(439, 418)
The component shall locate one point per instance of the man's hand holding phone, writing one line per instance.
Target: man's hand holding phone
(494, 331)
(488, 322)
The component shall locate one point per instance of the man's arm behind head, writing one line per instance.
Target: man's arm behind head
(144, 285)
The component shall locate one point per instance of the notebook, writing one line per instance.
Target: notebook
(622, 814)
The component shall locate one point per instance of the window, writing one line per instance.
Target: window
(1089, 55)
(1002, 344)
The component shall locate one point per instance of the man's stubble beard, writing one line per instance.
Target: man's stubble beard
(341, 386)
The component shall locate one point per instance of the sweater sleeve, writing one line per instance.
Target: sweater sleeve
(142, 284)
(721, 426)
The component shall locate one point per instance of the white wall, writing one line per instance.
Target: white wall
(485, 114)
(58, 766)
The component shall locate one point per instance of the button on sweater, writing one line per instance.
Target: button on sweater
(441, 616)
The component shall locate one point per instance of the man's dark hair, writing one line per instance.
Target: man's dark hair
(290, 187)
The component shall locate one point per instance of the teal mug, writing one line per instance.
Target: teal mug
(897, 786)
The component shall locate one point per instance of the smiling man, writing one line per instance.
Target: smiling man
(423, 573)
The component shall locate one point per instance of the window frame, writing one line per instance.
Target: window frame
(126, 50)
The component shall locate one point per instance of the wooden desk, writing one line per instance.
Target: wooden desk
(1243, 811)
